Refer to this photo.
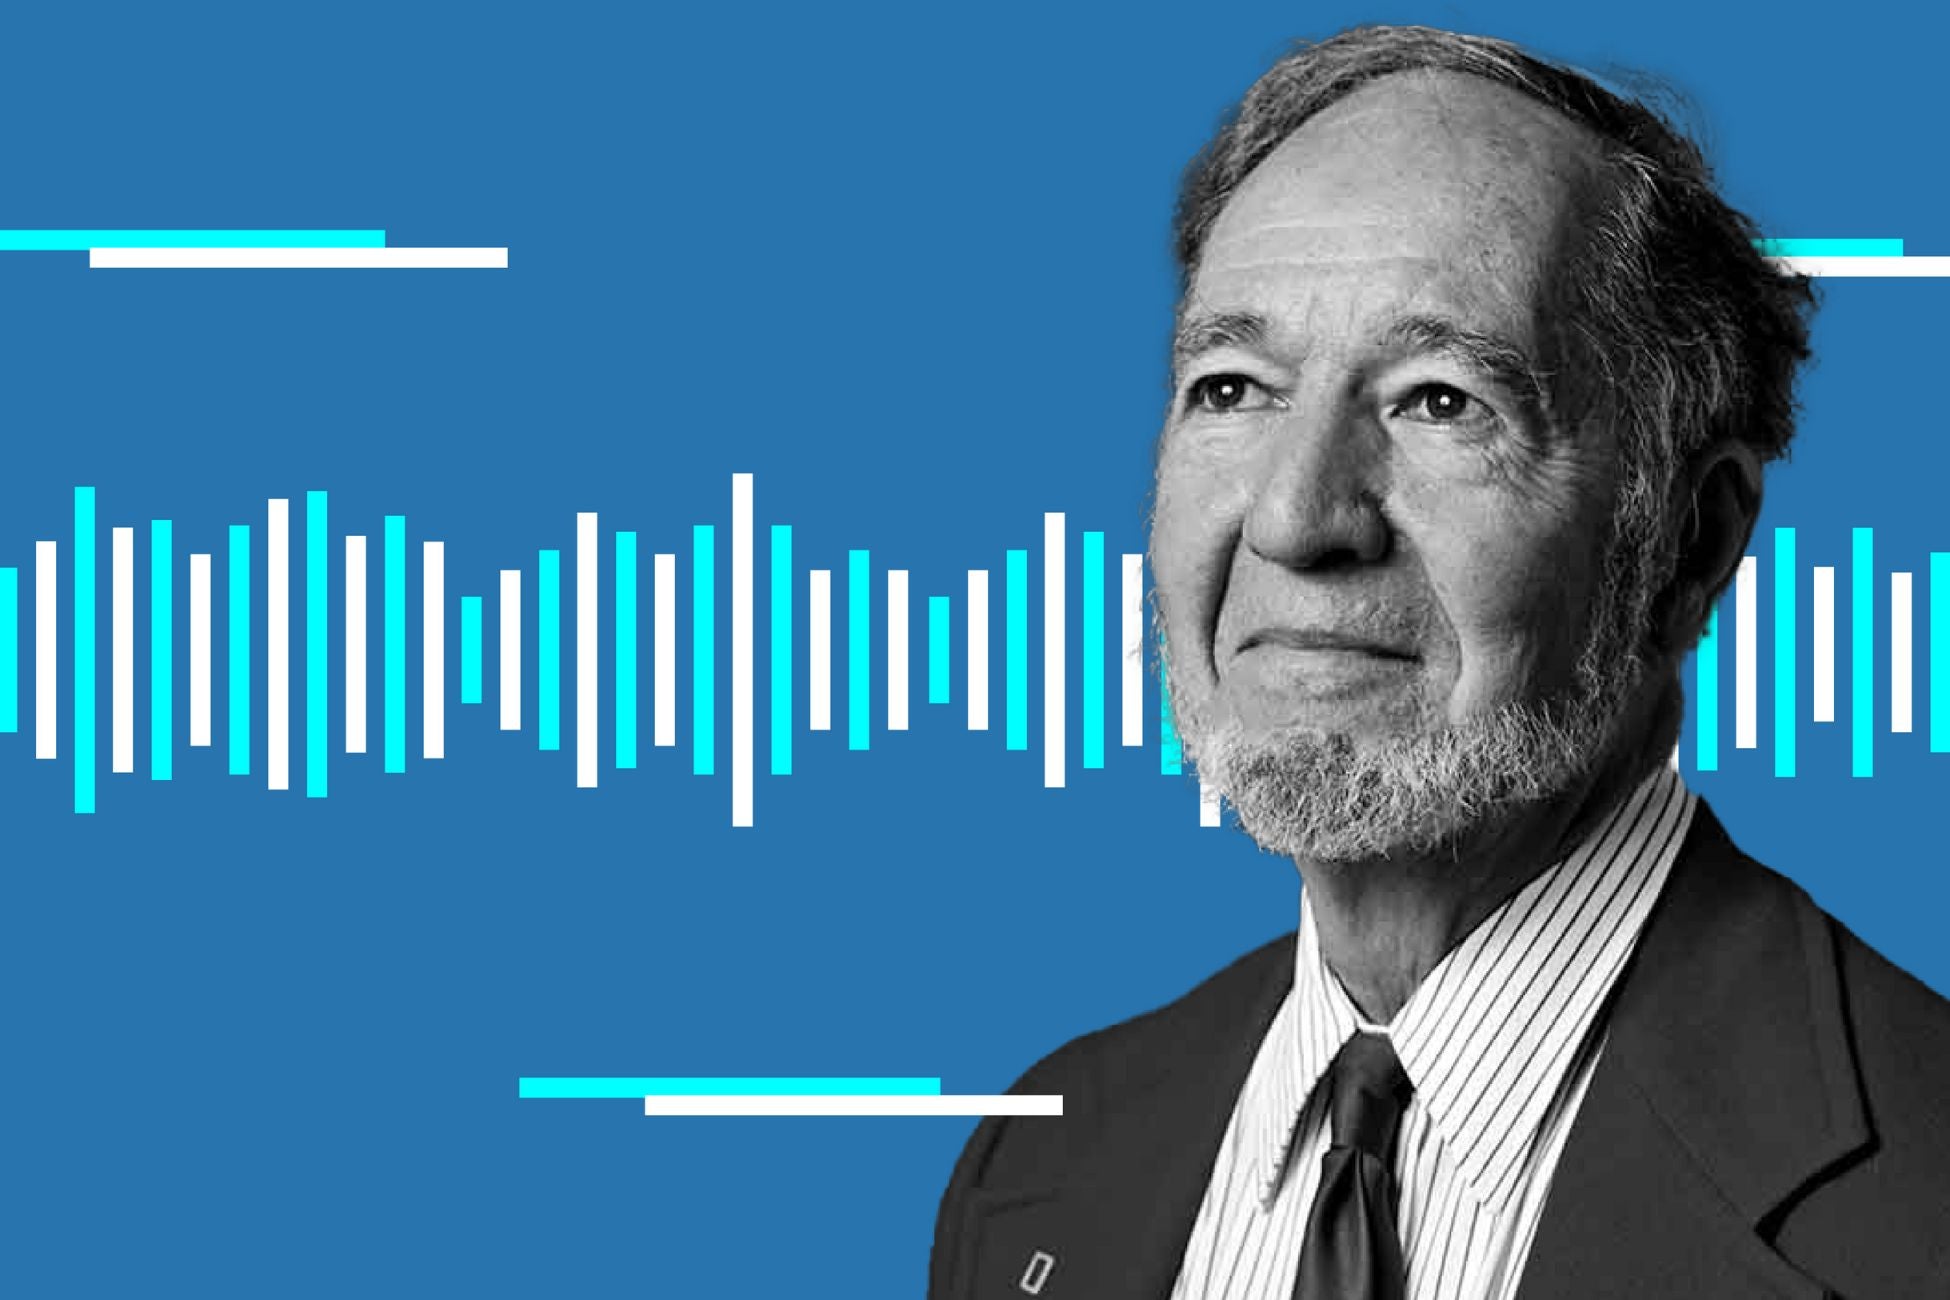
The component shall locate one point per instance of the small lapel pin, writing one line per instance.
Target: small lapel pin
(1040, 1266)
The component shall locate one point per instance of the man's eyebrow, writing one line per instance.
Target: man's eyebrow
(1205, 331)
(1509, 365)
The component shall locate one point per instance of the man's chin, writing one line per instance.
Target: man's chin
(1332, 798)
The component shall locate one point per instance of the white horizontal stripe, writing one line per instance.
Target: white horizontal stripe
(305, 259)
(1867, 267)
(963, 1104)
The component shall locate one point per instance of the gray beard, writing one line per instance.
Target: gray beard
(1326, 798)
(1322, 797)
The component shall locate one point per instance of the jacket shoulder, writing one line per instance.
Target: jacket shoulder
(1883, 1218)
(1137, 1096)
(1219, 1013)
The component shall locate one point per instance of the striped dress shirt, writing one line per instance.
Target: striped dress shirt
(1500, 1041)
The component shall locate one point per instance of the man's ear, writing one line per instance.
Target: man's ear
(1718, 504)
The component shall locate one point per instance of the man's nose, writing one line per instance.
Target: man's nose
(1318, 503)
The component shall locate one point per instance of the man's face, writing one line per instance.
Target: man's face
(1377, 537)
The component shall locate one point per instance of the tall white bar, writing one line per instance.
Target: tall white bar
(741, 649)
(277, 644)
(897, 649)
(199, 651)
(1053, 650)
(1209, 804)
(587, 575)
(978, 649)
(1900, 636)
(819, 645)
(665, 634)
(1746, 654)
(511, 649)
(121, 546)
(46, 580)
(355, 645)
(1824, 665)
(433, 650)
(1132, 604)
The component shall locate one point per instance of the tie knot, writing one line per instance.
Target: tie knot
(1370, 1091)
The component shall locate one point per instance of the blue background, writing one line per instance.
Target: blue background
(909, 268)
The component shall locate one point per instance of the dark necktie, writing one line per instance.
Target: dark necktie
(1352, 1250)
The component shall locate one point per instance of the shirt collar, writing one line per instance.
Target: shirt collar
(1489, 1036)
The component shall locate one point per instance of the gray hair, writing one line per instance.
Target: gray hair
(1691, 336)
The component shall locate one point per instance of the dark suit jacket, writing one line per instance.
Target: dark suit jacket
(1770, 1118)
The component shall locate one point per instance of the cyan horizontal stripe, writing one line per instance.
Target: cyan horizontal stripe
(638, 1089)
(80, 241)
(1830, 247)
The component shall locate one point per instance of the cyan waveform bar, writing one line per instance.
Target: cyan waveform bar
(162, 596)
(938, 618)
(80, 241)
(582, 1089)
(1706, 667)
(318, 661)
(240, 649)
(1784, 662)
(781, 649)
(704, 650)
(548, 658)
(626, 650)
(1093, 650)
(84, 650)
(470, 649)
(395, 643)
(859, 624)
(10, 650)
(1016, 685)
(1940, 652)
(1861, 650)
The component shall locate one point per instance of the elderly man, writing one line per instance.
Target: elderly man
(1475, 377)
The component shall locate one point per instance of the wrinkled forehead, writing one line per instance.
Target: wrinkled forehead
(1435, 187)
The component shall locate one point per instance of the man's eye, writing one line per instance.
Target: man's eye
(1225, 393)
(1441, 404)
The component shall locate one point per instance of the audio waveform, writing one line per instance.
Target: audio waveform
(530, 609)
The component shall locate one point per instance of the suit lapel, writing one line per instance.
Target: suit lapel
(1726, 1085)
(1118, 1228)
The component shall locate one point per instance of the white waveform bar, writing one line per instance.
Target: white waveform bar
(355, 643)
(199, 650)
(277, 643)
(433, 650)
